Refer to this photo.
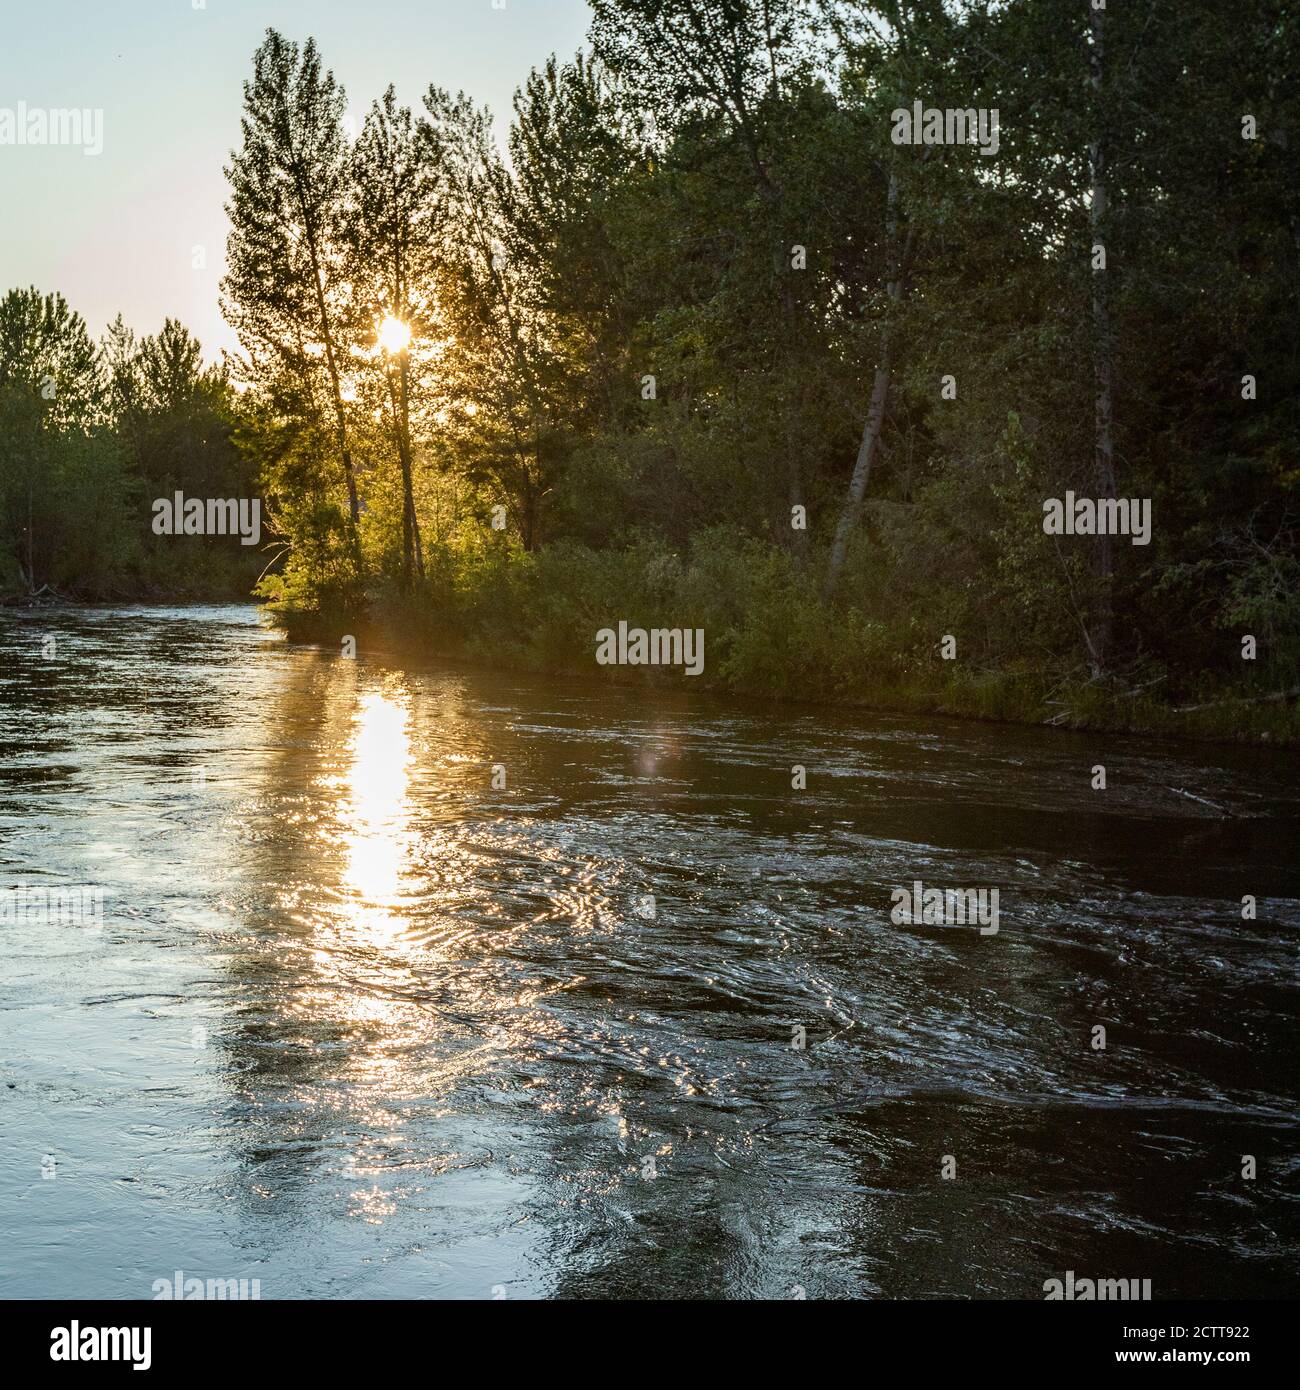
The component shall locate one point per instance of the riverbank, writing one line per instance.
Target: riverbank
(211, 577)
(1014, 697)
(784, 647)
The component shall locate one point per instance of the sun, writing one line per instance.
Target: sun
(394, 335)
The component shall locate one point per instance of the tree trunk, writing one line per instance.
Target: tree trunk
(1102, 355)
(412, 551)
(340, 419)
(31, 560)
(852, 510)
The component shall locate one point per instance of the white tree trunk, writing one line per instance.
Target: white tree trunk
(852, 510)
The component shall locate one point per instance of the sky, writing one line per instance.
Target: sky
(117, 231)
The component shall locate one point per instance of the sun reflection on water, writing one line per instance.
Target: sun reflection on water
(377, 812)
(411, 944)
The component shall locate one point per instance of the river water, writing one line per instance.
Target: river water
(360, 1023)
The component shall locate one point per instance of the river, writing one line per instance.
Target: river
(433, 982)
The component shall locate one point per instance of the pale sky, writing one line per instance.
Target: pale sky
(117, 231)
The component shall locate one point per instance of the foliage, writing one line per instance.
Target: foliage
(645, 337)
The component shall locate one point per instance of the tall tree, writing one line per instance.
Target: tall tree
(284, 291)
(730, 63)
(394, 238)
(891, 48)
(504, 404)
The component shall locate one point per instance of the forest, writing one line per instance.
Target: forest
(926, 354)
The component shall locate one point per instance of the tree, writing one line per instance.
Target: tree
(46, 350)
(63, 489)
(394, 233)
(502, 401)
(724, 69)
(284, 291)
